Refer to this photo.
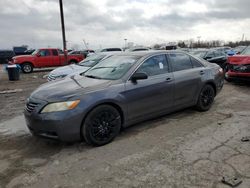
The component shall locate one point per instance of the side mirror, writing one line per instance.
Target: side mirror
(139, 76)
(38, 55)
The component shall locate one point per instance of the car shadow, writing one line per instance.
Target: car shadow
(28, 146)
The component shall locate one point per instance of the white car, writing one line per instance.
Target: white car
(81, 67)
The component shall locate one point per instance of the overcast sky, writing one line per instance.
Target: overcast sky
(107, 23)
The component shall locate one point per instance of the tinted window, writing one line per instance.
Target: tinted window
(154, 66)
(196, 63)
(111, 49)
(180, 61)
(216, 53)
(60, 51)
(210, 54)
(55, 52)
(44, 52)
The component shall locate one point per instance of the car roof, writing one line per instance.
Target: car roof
(150, 52)
(6, 50)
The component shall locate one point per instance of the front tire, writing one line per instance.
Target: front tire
(101, 125)
(206, 98)
(27, 68)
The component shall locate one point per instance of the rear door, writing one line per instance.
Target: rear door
(55, 59)
(188, 74)
(151, 96)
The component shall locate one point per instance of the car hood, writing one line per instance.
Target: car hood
(67, 88)
(239, 59)
(69, 69)
(23, 57)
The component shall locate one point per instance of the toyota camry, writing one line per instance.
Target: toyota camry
(121, 91)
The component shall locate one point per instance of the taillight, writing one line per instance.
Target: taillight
(221, 71)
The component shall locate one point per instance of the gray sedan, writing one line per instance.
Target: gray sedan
(120, 91)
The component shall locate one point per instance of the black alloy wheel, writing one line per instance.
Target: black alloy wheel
(101, 125)
(206, 98)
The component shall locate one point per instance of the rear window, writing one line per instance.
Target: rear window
(180, 61)
(55, 52)
(196, 63)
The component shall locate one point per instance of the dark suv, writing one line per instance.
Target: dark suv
(6, 56)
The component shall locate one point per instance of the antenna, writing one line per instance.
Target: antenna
(86, 44)
(243, 37)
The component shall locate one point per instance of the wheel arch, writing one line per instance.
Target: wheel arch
(29, 62)
(110, 103)
(73, 60)
(211, 83)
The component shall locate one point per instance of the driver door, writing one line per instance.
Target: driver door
(44, 58)
(154, 95)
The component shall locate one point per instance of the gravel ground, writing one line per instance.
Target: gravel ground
(183, 149)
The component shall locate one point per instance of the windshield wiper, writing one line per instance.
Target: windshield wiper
(92, 76)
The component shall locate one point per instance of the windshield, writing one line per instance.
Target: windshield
(199, 53)
(35, 52)
(246, 51)
(91, 60)
(112, 68)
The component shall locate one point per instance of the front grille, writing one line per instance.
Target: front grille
(240, 68)
(30, 106)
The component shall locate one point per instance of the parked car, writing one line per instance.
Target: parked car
(238, 66)
(28, 52)
(20, 50)
(44, 57)
(239, 49)
(79, 68)
(83, 52)
(213, 56)
(6, 56)
(111, 50)
(120, 91)
(226, 49)
(136, 49)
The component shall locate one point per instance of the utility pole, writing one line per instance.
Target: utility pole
(63, 33)
(243, 37)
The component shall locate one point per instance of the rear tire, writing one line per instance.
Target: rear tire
(27, 68)
(206, 98)
(101, 125)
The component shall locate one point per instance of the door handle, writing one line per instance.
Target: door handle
(169, 79)
(202, 72)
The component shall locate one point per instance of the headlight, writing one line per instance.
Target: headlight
(61, 76)
(60, 106)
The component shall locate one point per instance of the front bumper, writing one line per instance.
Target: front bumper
(237, 75)
(64, 126)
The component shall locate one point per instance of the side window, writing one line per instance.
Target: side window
(196, 63)
(217, 53)
(44, 52)
(60, 51)
(55, 52)
(210, 55)
(154, 66)
(180, 61)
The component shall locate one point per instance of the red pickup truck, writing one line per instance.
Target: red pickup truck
(44, 57)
